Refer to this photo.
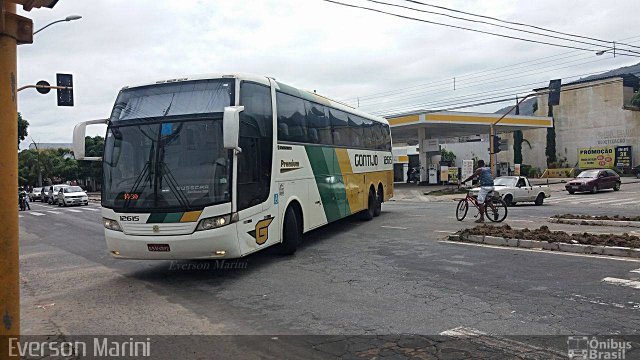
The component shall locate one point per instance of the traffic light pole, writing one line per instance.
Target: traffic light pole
(9, 258)
(492, 155)
(492, 132)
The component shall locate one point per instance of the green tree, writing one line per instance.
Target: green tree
(94, 147)
(28, 167)
(635, 101)
(22, 129)
(57, 166)
(447, 156)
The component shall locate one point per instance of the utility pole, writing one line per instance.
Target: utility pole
(9, 260)
(14, 30)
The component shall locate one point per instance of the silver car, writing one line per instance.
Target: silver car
(35, 194)
(72, 195)
(53, 193)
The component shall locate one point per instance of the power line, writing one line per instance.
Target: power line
(465, 106)
(516, 23)
(458, 27)
(485, 81)
(477, 74)
(450, 101)
(488, 23)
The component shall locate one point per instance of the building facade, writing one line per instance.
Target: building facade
(593, 116)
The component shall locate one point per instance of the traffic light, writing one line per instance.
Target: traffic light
(496, 144)
(65, 96)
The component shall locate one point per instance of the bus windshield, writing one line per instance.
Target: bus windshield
(177, 166)
(164, 148)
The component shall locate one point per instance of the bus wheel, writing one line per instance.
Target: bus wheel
(379, 201)
(368, 213)
(291, 233)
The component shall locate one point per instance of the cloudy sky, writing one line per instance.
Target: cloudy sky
(387, 64)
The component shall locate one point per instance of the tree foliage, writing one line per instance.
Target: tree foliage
(58, 165)
(447, 156)
(635, 101)
(23, 125)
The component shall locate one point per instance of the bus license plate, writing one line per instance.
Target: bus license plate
(158, 247)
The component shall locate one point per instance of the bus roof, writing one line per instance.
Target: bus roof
(305, 94)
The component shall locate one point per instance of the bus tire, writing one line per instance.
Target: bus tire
(379, 201)
(291, 233)
(368, 213)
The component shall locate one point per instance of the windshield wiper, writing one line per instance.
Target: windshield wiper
(146, 169)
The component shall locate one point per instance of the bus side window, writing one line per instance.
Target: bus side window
(340, 126)
(387, 138)
(292, 118)
(256, 142)
(318, 123)
(356, 125)
(368, 134)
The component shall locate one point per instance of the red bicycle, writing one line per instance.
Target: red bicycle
(495, 208)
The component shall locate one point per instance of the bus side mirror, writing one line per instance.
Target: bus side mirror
(79, 133)
(231, 127)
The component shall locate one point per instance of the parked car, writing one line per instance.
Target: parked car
(593, 181)
(72, 195)
(35, 194)
(44, 195)
(515, 189)
(52, 199)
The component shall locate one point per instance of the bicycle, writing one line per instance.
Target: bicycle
(493, 203)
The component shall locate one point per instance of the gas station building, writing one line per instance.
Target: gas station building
(424, 132)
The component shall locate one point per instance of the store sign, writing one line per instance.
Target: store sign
(467, 168)
(596, 157)
(623, 157)
(444, 173)
(453, 175)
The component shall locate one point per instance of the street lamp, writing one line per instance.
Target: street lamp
(601, 52)
(68, 18)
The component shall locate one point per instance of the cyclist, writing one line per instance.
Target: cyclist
(486, 185)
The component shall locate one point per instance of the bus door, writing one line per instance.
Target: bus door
(257, 215)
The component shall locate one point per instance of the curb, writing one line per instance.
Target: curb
(593, 222)
(544, 245)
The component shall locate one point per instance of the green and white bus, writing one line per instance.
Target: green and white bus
(225, 165)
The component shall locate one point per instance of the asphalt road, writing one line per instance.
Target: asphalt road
(396, 274)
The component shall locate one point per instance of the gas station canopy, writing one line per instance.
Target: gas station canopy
(438, 125)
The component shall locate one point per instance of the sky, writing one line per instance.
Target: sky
(381, 63)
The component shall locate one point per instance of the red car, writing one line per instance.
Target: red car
(593, 181)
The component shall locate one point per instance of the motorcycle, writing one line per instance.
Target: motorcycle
(22, 201)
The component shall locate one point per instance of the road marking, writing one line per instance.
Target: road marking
(507, 346)
(444, 231)
(54, 212)
(36, 213)
(529, 221)
(540, 251)
(637, 271)
(622, 282)
(626, 203)
(73, 210)
(91, 209)
(394, 227)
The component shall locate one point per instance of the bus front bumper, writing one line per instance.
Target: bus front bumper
(220, 243)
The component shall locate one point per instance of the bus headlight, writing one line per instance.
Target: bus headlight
(111, 224)
(213, 222)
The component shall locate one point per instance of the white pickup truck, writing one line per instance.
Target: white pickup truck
(515, 189)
